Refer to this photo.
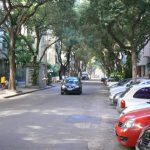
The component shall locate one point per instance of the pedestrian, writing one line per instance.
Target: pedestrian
(3, 81)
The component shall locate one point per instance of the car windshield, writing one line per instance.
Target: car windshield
(72, 81)
(133, 83)
(128, 89)
(123, 82)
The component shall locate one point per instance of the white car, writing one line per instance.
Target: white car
(113, 94)
(118, 89)
(116, 97)
(126, 85)
(135, 107)
(122, 86)
(111, 84)
(137, 94)
(120, 83)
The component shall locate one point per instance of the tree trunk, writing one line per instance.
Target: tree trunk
(134, 64)
(35, 71)
(127, 69)
(12, 85)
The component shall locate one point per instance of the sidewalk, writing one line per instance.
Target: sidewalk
(5, 93)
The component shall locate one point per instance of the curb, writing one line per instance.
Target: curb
(23, 93)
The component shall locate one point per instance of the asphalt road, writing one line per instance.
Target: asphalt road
(46, 120)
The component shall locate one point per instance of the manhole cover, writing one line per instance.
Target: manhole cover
(82, 118)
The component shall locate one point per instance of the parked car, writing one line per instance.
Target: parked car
(143, 142)
(135, 95)
(126, 86)
(115, 98)
(120, 83)
(120, 88)
(103, 79)
(71, 85)
(135, 107)
(111, 84)
(130, 125)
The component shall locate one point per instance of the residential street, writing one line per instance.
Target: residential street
(47, 120)
(52, 47)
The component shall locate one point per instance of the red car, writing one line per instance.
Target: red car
(129, 126)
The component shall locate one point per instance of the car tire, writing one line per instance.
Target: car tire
(80, 92)
(62, 93)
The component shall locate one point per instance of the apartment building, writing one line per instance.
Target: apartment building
(144, 62)
(48, 57)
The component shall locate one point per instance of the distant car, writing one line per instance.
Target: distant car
(84, 76)
(135, 95)
(111, 79)
(143, 142)
(135, 107)
(71, 85)
(130, 125)
(103, 79)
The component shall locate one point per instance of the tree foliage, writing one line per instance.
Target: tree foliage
(123, 22)
(13, 15)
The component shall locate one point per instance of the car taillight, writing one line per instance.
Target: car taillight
(123, 104)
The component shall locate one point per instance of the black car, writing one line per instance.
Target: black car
(71, 85)
(143, 142)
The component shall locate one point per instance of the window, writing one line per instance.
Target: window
(143, 93)
(126, 91)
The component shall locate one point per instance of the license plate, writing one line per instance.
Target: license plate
(69, 89)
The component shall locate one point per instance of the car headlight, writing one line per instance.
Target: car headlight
(63, 86)
(128, 124)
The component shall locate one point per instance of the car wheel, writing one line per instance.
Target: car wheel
(62, 93)
(80, 92)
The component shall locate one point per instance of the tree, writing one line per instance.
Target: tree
(106, 23)
(23, 55)
(127, 23)
(64, 24)
(14, 15)
(97, 39)
(36, 32)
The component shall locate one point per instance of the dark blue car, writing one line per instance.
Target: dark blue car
(71, 85)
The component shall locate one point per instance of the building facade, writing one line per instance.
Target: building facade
(144, 62)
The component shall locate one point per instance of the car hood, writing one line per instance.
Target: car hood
(135, 114)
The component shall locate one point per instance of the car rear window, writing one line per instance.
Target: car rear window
(143, 93)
